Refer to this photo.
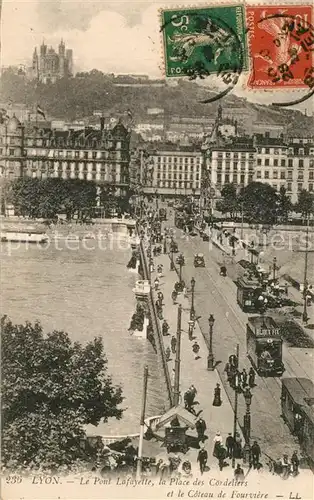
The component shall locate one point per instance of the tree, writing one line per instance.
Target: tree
(51, 389)
(305, 203)
(284, 204)
(260, 203)
(229, 201)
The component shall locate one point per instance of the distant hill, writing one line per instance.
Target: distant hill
(78, 97)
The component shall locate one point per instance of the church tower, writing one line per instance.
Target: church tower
(61, 59)
(42, 57)
(35, 65)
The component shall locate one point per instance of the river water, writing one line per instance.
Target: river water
(87, 293)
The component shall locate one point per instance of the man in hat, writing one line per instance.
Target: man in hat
(200, 426)
(173, 344)
(230, 445)
(202, 458)
(165, 328)
(255, 453)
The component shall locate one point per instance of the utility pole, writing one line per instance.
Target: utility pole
(242, 220)
(142, 422)
(235, 419)
(305, 315)
(176, 391)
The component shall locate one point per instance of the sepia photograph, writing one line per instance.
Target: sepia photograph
(157, 249)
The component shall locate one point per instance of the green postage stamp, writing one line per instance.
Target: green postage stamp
(203, 41)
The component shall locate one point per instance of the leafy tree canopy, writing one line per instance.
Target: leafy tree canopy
(260, 203)
(229, 201)
(51, 388)
(305, 203)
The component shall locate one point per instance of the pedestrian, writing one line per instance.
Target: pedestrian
(295, 462)
(165, 328)
(156, 283)
(174, 296)
(255, 454)
(196, 349)
(200, 426)
(221, 455)
(244, 377)
(168, 354)
(252, 377)
(286, 289)
(230, 445)
(285, 465)
(239, 473)
(227, 369)
(217, 443)
(217, 396)
(173, 344)
(160, 296)
(238, 446)
(202, 458)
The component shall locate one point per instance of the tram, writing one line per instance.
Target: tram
(248, 290)
(264, 346)
(162, 214)
(297, 410)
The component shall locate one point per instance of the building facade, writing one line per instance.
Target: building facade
(282, 163)
(49, 66)
(101, 156)
(173, 170)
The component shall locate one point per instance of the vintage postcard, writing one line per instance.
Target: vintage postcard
(157, 249)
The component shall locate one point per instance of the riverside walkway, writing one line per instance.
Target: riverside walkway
(194, 371)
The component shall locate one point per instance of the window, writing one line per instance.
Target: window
(275, 174)
(289, 174)
(242, 178)
(300, 186)
(283, 163)
(311, 187)
(275, 163)
(259, 161)
(289, 186)
(11, 152)
(219, 178)
(301, 163)
(266, 174)
(300, 176)
(267, 150)
(311, 175)
(290, 162)
(235, 165)
(227, 179)
(219, 163)
(94, 155)
(301, 151)
(267, 162)
(259, 174)
(282, 175)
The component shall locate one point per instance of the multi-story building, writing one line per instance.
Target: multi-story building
(231, 163)
(96, 155)
(282, 163)
(48, 66)
(174, 170)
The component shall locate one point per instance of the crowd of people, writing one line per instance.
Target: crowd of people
(240, 380)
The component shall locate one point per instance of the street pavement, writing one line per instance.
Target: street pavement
(194, 371)
(217, 295)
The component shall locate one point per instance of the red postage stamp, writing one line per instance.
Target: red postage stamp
(281, 41)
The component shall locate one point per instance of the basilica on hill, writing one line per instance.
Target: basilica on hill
(48, 66)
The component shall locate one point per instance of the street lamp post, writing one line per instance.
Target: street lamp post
(192, 310)
(171, 260)
(305, 315)
(210, 357)
(274, 268)
(176, 391)
(247, 427)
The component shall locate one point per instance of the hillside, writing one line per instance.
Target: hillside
(80, 96)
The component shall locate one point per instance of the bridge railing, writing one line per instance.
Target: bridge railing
(156, 327)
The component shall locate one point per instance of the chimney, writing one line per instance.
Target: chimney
(102, 123)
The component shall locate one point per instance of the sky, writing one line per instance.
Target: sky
(112, 36)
